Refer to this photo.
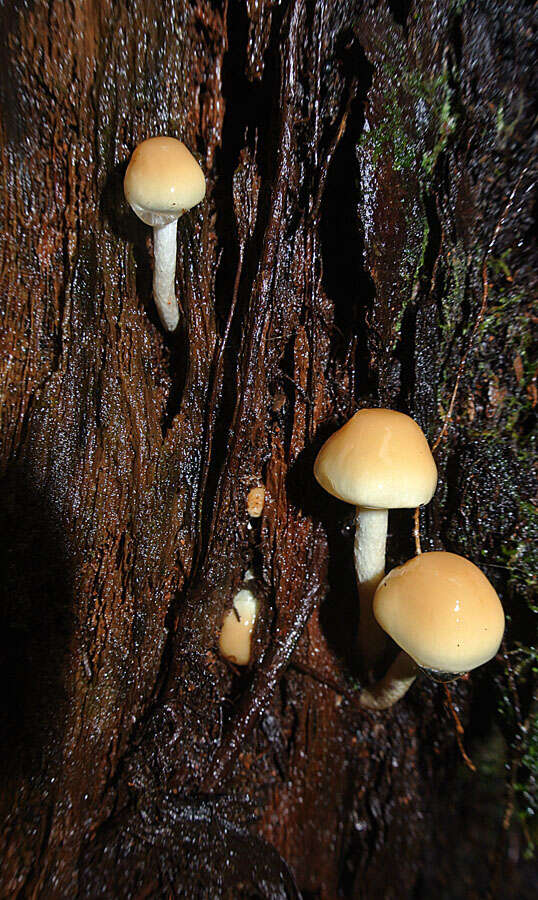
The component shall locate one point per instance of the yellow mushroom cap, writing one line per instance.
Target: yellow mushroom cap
(163, 179)
(255, 501)
(379, 459)
(237, 628)
(442, 610)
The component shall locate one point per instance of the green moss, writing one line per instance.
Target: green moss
(453, 297)
(416, 122)
(411, 265)
(408, 127)
(446, 125)
(496, 522)
(390, 136)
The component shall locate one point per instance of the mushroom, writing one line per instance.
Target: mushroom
(256, 501)
(379, 460)
(162, 181)
(444, 614)
(237, 628)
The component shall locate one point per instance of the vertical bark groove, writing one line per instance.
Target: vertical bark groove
(358, 157)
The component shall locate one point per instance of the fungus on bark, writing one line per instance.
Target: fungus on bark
(379, 460)
(237, 627)
(163, 181)
(444, 614)
(256, 501)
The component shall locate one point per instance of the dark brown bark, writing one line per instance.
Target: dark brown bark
(369, 174)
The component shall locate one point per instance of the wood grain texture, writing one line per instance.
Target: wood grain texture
(357, 169)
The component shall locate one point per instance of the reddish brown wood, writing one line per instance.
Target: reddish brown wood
(356, 172)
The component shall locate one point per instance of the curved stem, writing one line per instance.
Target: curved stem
(370, 542)
(164, 273)
(393, 686)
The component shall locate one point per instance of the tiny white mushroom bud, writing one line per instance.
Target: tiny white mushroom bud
(163, 181)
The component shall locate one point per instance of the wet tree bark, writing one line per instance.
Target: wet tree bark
(365, 240)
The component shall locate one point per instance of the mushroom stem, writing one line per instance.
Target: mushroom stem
(370, 542)
(164, 273)
(392, 686)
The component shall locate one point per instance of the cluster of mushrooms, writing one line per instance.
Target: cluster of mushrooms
(438, 607)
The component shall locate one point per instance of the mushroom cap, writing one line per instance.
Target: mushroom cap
(163, 180)
(379, 459)
(442, 610)
(256, 501)
(237, 628)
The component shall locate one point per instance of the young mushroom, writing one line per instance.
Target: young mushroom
(237, 627)
(444, 614)
(379, 460)
(256, 501)
(162, 181)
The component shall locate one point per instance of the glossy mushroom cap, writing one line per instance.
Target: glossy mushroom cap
(237, 628)
(379, 459)
(442, 610)
(163, 180)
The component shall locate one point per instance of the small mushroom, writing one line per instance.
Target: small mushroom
(237, 628)
(379, 460)
(162, 181)
(256, 501)
(444, 614)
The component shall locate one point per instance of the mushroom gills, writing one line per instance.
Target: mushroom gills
(441, 677)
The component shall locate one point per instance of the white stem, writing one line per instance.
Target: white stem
(164, 274)
(370, 542)
(393, 686)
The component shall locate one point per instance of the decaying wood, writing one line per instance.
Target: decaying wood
(359, 171)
